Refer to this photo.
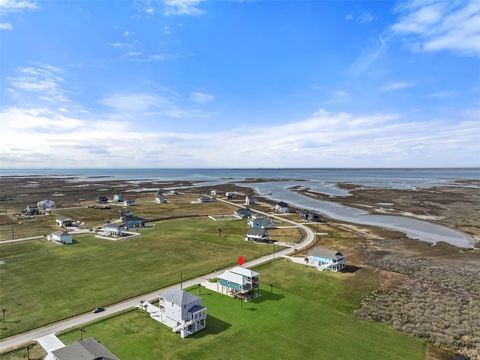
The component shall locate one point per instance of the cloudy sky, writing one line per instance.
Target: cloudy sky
(190, 83)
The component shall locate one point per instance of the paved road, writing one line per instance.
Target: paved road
(21, 239)
(27, 337)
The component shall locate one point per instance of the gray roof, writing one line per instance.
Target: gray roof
(325, 253)
(257, 232)
(179, 297)
(59, 233)
(282, 204)
(88, 349)
(63, 218)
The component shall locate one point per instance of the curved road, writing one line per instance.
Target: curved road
(17, 341)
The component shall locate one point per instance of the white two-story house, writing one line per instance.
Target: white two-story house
(182, 312)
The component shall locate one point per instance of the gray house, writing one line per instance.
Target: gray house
(88, 349)
(257, 234)
(114, 230)
(182, 312)
(242, 213)
(63, 221)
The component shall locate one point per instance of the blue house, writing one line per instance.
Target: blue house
(327, 259)
(260, 222)
(133, 222)
(118, 198)
(240, 282)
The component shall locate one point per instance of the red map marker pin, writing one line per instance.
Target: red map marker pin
(240, 260)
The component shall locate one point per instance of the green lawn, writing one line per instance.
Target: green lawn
(41, 282)
(35, 226)
(308, 316)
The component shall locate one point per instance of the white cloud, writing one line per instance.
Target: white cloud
(7, 6)
(44, 81)
(201, 97)
(324, 139)
(6, 26)
(182, 7)
(363, 18)
(396, 85)
(436, 25)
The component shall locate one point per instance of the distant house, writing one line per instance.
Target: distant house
(239, 281)
(123, 214)
(182, 312)
(257, 234)
(261, 222)
(250, 200)
(281, 208)
(310, 216)
(173, 192)
(61, 237)
(159, 198)
(102, 199)
(46, 204)
(130, 222)
(128, 202)
(118, 198)
(205, 199)
(230, 195)
(114, 230)
(327, 259)
(215, 192)
(242, 213)
(30, 210)
(63, 221)
(88, 349)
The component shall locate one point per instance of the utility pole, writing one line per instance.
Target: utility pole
(273, 254)
(4, 310)
(181, 279)
(13, 232)
(82, 330)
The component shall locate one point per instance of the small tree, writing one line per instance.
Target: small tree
(306, 260)
(4, 310)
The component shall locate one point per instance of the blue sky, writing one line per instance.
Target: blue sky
(188, 83)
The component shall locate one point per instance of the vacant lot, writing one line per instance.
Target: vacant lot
(308, 315)
(35, 226)
(91, 217)
(42, 282)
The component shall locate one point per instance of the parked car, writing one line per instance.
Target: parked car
(97, 310)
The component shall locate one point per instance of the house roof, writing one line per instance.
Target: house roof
(133, 218)
(113, 226)
(59, 233)
(232, 277)
(325, 253)
(282, 204)
(243, 211)
(63, 218)
(257, 232)
(88, 349)
(243, 271)
(179, 297)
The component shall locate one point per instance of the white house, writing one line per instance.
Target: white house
(281, 208)
(326, 259)
(46, 204)
(250, 200)
(159, 198)
(182, 312)
(230, 195)
(61, 237)
(128, 202)
(114, 230)
(117, 197)
(173, 192)
(239, 281)
(215, 192)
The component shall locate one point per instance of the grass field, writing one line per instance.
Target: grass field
(91, 217)
(42, 282)
(35, 226)
(309, 315)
